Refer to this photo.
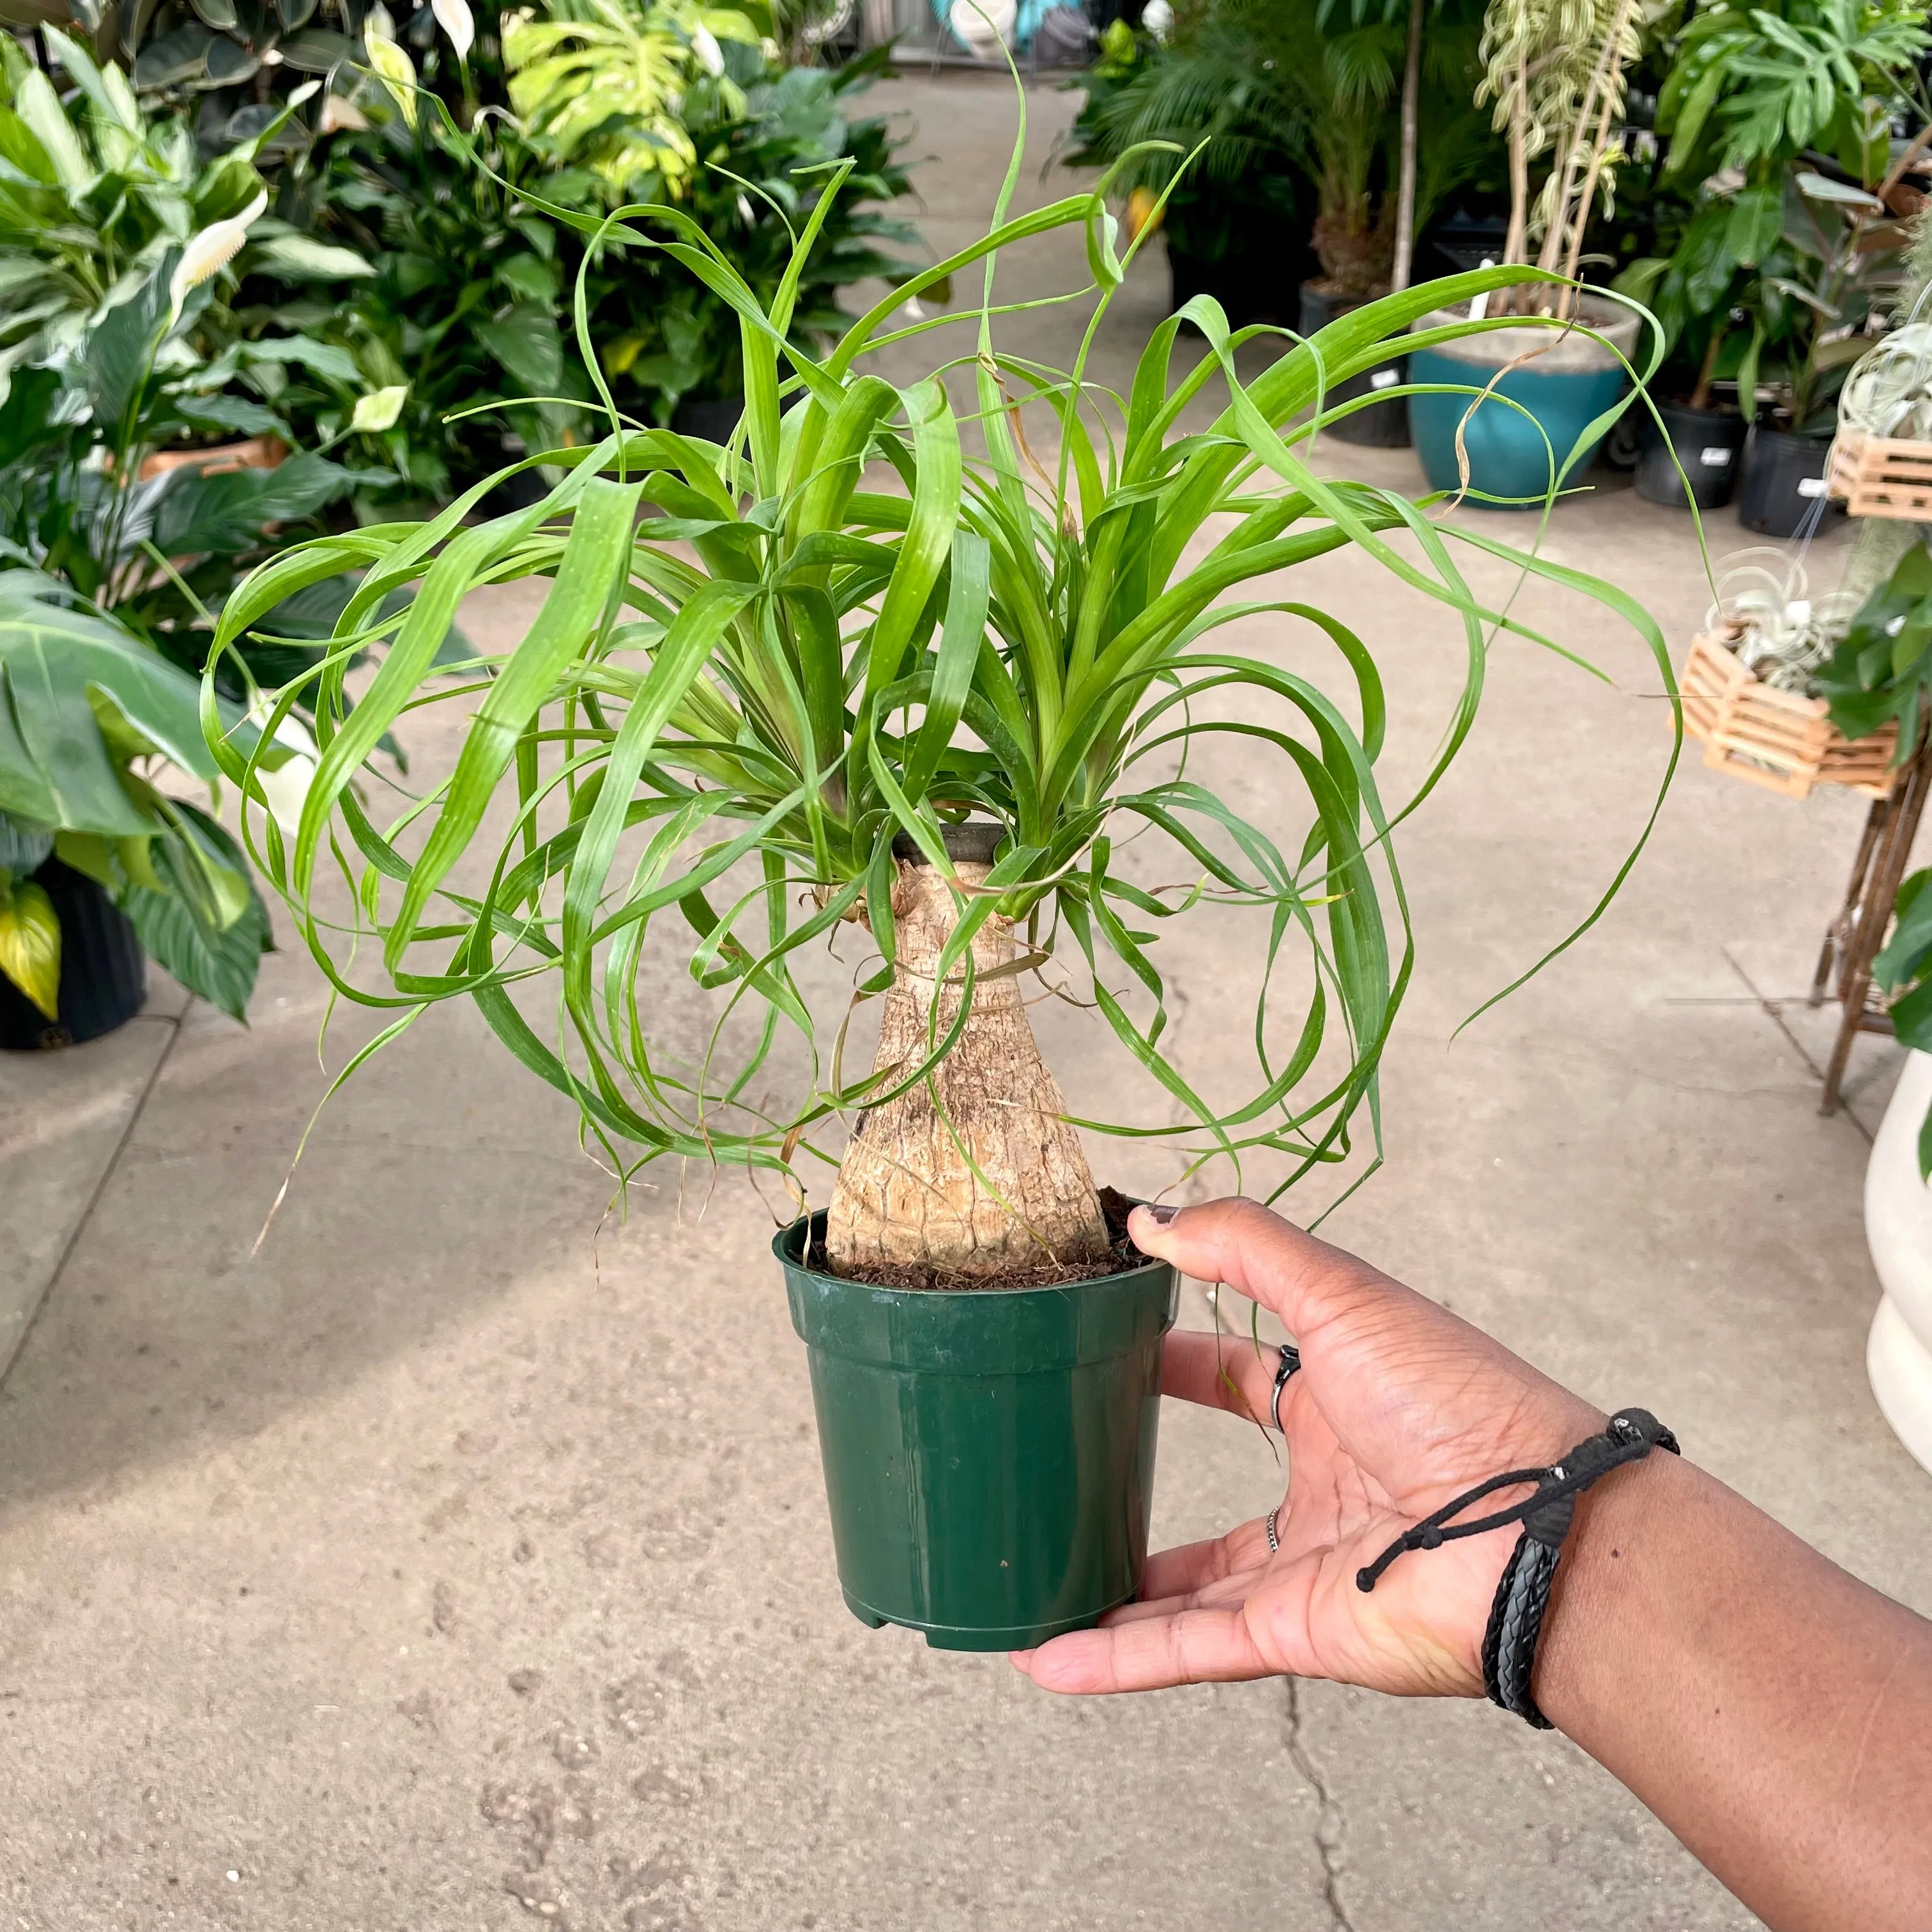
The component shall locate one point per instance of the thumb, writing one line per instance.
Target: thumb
(1257, 1254)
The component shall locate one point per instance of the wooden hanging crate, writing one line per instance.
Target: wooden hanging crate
(1775, 739)
(1881, 476)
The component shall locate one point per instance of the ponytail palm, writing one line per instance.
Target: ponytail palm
(767, 709)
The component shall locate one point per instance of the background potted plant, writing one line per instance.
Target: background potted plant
(1236, 221)
(463, 313)
(1791, 252)
(794, 702)
(764, 168)
(125, 519)
(1331, 109)
(1397, 133)
(1557, 75)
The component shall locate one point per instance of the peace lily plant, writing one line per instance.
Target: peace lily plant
(876, 660)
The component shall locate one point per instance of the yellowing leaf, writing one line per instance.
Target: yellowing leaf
(393, 69)
(30, 946)
(379, 410)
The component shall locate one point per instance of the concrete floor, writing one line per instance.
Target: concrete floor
(453, 1563)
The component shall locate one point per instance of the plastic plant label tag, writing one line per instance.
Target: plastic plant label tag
(1384, 379)
(1715, 458)
(1810, 486)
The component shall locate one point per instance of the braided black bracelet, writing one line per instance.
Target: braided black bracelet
(1522, 1593)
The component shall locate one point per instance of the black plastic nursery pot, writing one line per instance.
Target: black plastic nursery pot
(1784, 482)
(1379, 425)
(988, 1453)
(708, 419)
(104, 973)
(1245, 288)
(1709, 444)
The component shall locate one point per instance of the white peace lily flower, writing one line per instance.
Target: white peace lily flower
(710, 54)
(453, 16)
(745, 214)
(211, 251)
(379, 410)
(285, 787)
(393, 68)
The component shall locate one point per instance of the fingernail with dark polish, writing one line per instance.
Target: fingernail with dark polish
(1161, 1214)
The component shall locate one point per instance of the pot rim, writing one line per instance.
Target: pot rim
(1713, 414)
(788, 1245)
(1563, 354)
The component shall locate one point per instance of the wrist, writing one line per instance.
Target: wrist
(1602, 1597)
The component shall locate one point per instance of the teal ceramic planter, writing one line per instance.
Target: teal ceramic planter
(1564, 389)
(988, 1455)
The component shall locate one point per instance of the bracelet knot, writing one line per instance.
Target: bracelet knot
(1522, 1594)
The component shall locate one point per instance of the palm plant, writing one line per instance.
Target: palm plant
(1268, 87)
(794, 701)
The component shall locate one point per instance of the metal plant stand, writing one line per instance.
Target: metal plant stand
(1853, 939)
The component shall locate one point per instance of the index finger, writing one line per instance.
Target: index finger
(1219, 1372)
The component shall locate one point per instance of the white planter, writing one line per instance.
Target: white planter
(1898, 1225)
(984, 26)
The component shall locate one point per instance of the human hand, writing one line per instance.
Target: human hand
(1399, 1406)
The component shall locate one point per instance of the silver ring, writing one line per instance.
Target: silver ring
(1274, 1541)
(1291, 1362)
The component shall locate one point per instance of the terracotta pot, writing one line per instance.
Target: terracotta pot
(257, 452)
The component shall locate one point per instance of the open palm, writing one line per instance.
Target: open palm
(1399, 1406)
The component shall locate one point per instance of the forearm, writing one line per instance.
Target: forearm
(1774, 1712)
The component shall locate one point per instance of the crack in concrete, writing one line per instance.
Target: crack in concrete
(1328, 1821)
(9, 1363)
(1773, 1009)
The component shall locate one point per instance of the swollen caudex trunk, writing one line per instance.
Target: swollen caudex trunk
(974, 1172)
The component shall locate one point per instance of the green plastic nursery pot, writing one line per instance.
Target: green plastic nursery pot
(1564, 389)
(988, 1453)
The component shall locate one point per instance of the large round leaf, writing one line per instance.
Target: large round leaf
(173, 58)
(317, 50)
(229, 64)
